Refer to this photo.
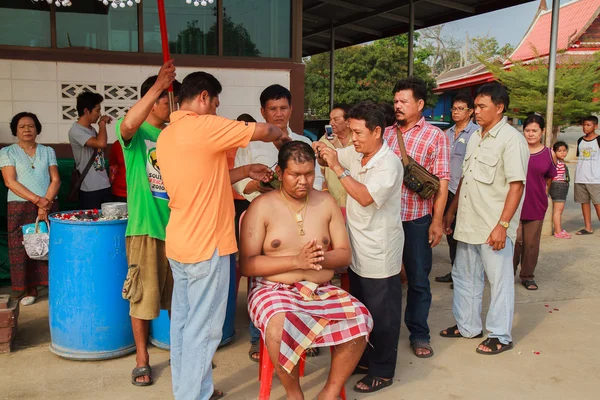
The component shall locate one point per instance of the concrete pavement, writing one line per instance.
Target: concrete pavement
(567, 366)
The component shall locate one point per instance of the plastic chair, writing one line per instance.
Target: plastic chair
(265, 366)
(266, 369)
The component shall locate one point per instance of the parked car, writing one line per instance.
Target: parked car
(314, 129)
(443, 125)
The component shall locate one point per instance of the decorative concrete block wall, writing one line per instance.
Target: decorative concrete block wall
(49, 89)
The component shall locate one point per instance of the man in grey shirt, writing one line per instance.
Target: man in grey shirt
(459, 135)
(85, 142)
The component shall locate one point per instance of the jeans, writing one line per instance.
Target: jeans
(472, 260)
(417, 260)
(254, 333)
(451, 241)
(383, 299)
(197, 315)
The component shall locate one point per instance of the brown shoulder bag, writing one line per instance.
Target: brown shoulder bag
(417, 178)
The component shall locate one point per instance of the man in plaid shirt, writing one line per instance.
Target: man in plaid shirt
(421, 219)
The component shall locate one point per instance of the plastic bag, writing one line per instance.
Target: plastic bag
(37, 243)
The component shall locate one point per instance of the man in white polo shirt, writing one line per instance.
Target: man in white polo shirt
(372, 176)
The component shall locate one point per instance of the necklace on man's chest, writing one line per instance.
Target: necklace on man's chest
(298, 217)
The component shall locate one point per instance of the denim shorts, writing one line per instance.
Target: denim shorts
(558, 191)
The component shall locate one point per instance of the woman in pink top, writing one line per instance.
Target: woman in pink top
(540, 171)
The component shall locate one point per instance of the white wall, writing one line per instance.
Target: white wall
(48, 89)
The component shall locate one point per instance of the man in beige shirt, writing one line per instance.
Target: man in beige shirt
(489, 200)
(342, 137)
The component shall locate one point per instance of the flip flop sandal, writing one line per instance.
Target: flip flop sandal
(312, 352)
(139, 372)
(419, 344)
(492, 343)
(584, 232)
(527, 284)
(217, 394)
(373, 383)
(254, 349)
(451, 333)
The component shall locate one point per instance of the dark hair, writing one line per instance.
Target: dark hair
(534, 118)
(196, 83)
(343, 107)
(389, 112)
(297, 151)
(87, 101)
(464, 97)
(246, 118)
(369, 112)
(496, 92)
(150, 81)
(590, 118)
(560, 144)
(416, 85)
(275, 92)
(14, 123)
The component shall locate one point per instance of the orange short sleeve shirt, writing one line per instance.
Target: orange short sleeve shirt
(192, 157)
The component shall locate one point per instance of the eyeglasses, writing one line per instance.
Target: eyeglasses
(458, 109)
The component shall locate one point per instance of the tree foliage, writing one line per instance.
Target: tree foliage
(575, 88)
(444, 51)
(363, 72)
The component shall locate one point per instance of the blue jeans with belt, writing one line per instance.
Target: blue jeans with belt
(198, 311)
(417, 258)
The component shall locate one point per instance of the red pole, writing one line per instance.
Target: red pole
(162, 20)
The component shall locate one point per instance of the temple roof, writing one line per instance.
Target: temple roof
(576, 17)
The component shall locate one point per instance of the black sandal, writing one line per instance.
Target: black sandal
(217, 394)
(492, 343)
(530, 285)
(138, 372)
(453, 332)
(254, 349)
(421, 344)
(312, 352)
(373, 383)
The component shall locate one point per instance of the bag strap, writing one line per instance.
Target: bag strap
(37, 225)
(89, 165)
(404, 157)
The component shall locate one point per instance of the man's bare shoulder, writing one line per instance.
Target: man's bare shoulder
(324, 198)
(265, 200)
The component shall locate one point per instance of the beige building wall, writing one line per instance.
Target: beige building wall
(49, 89)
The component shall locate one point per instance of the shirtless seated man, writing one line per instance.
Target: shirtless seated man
(292, 240)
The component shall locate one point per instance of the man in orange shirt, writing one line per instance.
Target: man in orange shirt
(192, 158)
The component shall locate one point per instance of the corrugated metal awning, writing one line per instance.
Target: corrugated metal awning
(359, 21)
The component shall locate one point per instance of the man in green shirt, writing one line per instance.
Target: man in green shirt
(149, 284)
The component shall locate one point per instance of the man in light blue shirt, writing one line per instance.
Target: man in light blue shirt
(459, 135)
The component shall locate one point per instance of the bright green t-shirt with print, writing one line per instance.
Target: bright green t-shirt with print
(147, 199)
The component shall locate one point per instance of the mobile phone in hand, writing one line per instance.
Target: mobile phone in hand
(329, 132)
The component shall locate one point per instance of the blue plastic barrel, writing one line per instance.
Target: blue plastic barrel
(89, 320)
(160, 327)
(160, 335)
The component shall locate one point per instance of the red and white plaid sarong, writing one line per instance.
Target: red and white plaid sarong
(315, 315)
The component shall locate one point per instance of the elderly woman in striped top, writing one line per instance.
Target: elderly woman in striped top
(30, 173)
